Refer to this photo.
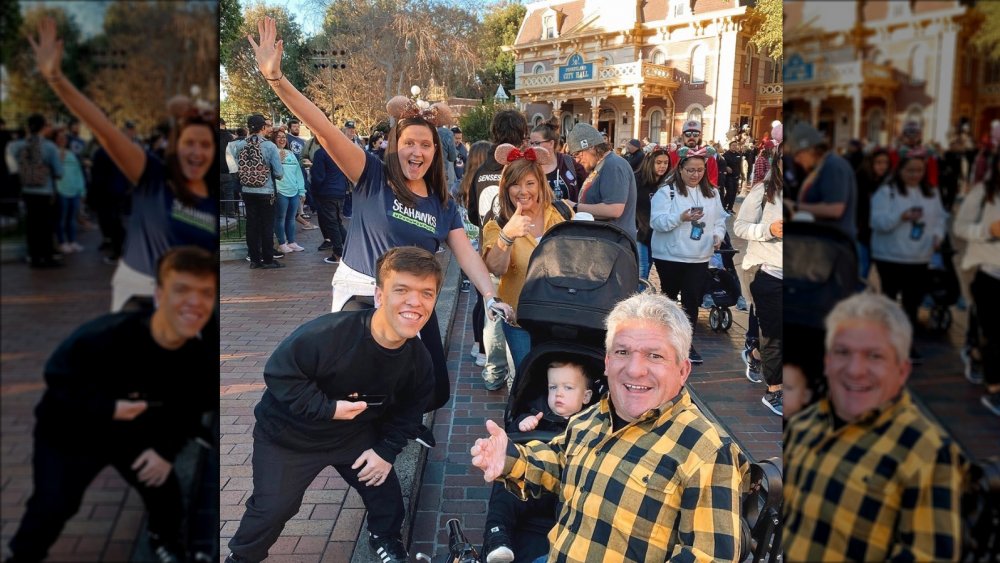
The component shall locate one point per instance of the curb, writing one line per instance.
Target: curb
(410, 463)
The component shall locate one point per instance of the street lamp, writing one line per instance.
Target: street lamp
(323, 59)
(415, 91)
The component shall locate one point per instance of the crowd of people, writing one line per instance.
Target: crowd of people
(910, 211)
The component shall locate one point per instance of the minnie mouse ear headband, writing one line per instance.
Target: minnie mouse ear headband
(401, 107)
(507, 153)
(182, 107)
(702, 152)
(777, 132)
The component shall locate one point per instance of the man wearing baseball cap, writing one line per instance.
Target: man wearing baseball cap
(691, 137)
(352, 133)
(830, 190)
(634, 154)
(609, 191)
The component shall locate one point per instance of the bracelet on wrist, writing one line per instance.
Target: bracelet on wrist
(278, 79)
(506, 239)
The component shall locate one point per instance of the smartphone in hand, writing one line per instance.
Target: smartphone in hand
(371, 400)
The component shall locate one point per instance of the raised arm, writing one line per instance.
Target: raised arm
(348, 156)
(128, 156)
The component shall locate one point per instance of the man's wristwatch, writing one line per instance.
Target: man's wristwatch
(575, 205)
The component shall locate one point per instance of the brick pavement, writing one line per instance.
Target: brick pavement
(38, 309)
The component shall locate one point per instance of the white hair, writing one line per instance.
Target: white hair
(654, 308)
(875, 308)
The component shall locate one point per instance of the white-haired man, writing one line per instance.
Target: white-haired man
(642, 475)
(868, 476)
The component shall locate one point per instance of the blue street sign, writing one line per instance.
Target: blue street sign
(575, 69)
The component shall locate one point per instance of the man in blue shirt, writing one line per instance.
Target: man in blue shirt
(37, 163)
(830, 190)
(259, 199)
(329, 190)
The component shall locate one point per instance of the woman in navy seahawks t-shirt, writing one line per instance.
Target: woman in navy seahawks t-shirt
(175, 201)
(403, 201)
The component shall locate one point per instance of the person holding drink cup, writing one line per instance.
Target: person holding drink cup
(688, 224)
(908, 225)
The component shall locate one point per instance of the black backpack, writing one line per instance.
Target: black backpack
(253, 172)
(31, 165)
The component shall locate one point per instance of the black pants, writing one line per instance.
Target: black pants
(260, 227)
(229, 184)
(430, 335)
(526, 523)
(732, 188)
(986, 294)
(479, 320)
(110, 218)
(330, 212)
(687, 278)
(767, 295)
(280, 478)
(40, 226)
(910, 280)
(60, 479)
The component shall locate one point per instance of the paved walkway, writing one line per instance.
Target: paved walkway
(38, 309)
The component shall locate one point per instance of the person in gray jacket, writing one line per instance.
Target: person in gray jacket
(259, 200)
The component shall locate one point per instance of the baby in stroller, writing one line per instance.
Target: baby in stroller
(569, 391)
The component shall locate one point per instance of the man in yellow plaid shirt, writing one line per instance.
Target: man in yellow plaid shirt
(642, 475)
(868, 477)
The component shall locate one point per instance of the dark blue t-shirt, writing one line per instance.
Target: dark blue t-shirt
(381, 222)
(159, 221)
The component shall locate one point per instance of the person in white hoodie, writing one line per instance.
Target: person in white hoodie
(760, 222)
(908, 225)
(688, 225)
(978, 222)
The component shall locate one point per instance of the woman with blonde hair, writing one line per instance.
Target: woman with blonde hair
(527, 210)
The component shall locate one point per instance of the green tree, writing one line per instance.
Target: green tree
(987, 37)
(476, 122)
(10, 26)
(27, 92)
(230, 24)
(500, 25)
(769, 35)
(245, 87)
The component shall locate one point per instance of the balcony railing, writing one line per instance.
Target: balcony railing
(772, 89)
(631, 72)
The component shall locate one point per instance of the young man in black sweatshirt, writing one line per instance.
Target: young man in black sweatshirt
(347, 389)
(126, 389)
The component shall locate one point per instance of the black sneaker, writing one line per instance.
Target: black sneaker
(271, 265)
(332, 260)
(165, 551)
(425, 437)
(753, 367)
(992, 402)
(497, 547)
(695, 357)
(388, 550)
(973, 366)
(327, 245)
(773, 401)
(277, 253)
(233, 558)
(255, 265)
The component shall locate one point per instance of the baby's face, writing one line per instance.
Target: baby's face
(567, 390)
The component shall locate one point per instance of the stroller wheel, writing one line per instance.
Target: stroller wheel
(715, 318)
(940, 319)
(727, 318)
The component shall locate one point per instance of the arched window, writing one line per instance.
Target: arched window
(748, 63)
(537, 119)
(695, 114)
(918, 64)
(655, 125)
(659, 57)
(538, 68)
(698, 62)
(549, 29)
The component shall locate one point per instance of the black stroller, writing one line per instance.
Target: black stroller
(724, 287)
(943, 289)
(577, 274)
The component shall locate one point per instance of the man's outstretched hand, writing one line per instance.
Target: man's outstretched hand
(490, 453)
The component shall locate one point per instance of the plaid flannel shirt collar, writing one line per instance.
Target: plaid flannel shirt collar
(872, 419)
(657, 415)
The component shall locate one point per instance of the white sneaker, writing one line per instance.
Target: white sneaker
(76, 247)
(475, 350)
(480, 359)
(65, 248)
(285, 249)
(295, 247)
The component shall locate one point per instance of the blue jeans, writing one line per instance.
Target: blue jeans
(284, 218)
(645, 260)
(68, 208)
(518, 342)
(864, 260)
